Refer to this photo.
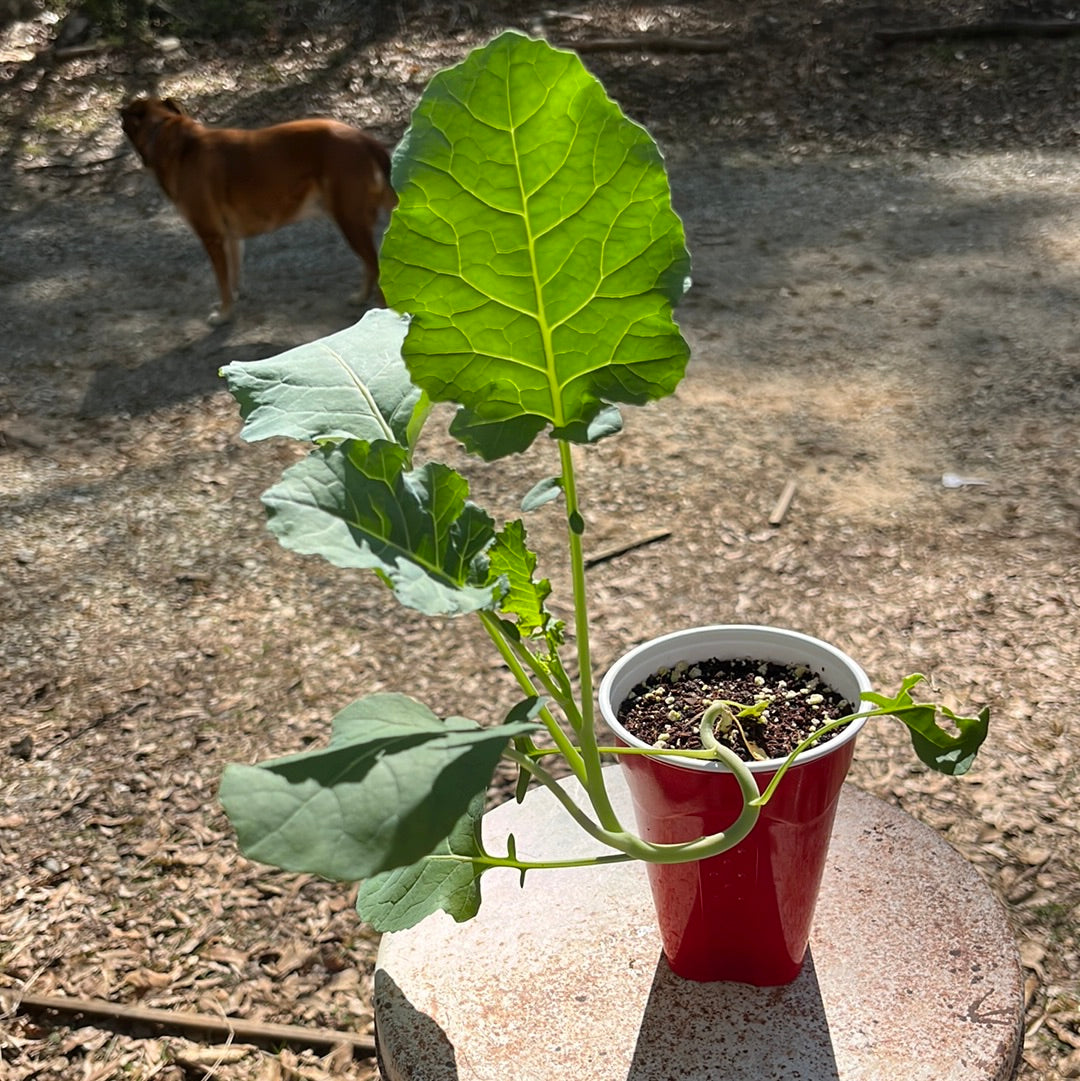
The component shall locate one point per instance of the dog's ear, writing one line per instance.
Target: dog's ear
(174, 106)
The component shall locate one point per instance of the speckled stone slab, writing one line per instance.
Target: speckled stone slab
(912, 973)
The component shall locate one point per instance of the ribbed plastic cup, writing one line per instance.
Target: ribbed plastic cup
(746, 914)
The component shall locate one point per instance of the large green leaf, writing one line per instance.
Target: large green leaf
(392, 783)
(535, 245)
(358, 505)
(397, 900)
(352, 384)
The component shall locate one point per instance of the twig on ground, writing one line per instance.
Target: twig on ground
(614, 553)
(782, 504)
(657, 43)
(247, 1031)
(997, 28)
(73, 168)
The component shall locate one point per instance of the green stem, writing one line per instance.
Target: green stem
(594, 776)
(549, 781)
(636, 848)
(891, 710)
(527, 865)
(660, 752)
(559, 737)
(518, 656)
(814, 737)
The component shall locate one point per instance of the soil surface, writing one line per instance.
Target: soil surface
(885, 312)
(782, 705)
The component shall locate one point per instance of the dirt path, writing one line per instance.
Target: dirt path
(863, 323)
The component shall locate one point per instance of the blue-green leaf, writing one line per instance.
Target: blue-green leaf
(352, 384)
(446, 879)
(542, 492)
(391, 784)
(535, 245)
(358, 505)
(606, 421)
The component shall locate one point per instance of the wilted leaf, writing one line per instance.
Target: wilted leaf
(939, 749)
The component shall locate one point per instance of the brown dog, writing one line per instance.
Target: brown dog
(229, 183)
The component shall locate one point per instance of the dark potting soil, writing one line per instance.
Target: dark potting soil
(666, 709)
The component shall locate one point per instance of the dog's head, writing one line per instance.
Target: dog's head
(141, 119)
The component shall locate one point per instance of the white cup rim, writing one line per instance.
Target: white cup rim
(731, 641)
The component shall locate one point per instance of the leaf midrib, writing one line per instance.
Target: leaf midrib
(554, 389)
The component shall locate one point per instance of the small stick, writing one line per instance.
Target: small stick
(652, 43)
(1001, 28)
(73, 168)
(614, 553)
(235, 1027)
(71, 52)
(782, 504)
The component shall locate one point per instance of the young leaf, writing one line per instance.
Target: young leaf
(542, 492)
(535, 245)
(400, 899)
(357, 505)
(391, 784)
(526, 710)
(608, 421)
(939, 749)
(353, 384)
(510, 559)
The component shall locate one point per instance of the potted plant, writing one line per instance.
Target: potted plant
(531, 268)
(665, 693)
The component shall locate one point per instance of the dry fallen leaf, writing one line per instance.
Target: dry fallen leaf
(144, 979)
(153, 630)
(213, 1057)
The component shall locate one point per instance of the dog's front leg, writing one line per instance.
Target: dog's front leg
(234, 251)
(221, 249)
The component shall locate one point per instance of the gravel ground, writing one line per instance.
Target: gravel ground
(886, 250)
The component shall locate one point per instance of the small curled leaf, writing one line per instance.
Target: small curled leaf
(946, 752)
(543, 492)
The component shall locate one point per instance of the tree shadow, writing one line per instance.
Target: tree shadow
(103, 302)
(187, 372)
(862, 261)
(810, 72)
(801, 265)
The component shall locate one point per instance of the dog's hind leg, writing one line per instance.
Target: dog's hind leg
(361, 240)
(355, 216)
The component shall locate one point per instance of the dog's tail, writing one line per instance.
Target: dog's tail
(389, 196)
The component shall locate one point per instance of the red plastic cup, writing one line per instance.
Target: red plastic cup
(746, 914)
